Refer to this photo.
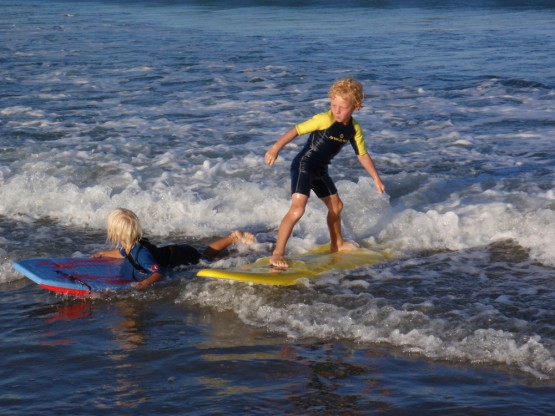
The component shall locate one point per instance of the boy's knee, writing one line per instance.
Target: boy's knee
(296, 213)
(336, 207)
(339, 206)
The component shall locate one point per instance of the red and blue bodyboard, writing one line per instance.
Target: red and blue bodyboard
(77, 276)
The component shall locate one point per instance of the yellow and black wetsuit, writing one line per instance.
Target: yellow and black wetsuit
(309, 169)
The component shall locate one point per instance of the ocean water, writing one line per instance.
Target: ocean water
(167, 108)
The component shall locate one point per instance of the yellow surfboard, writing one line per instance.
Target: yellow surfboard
(313, 264)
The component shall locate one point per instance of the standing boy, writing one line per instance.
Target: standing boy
(329, 132)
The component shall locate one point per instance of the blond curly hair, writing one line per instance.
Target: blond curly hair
(348, 89)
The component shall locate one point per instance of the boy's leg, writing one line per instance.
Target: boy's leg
(335, 206)
(235, 237)
(217, 246)
(298, 205)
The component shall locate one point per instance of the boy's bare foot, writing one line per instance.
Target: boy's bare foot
(348, 246)
(243, 237)
(278, 261)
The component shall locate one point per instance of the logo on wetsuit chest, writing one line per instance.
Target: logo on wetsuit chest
(340, 139)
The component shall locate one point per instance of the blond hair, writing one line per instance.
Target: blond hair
(124, 228)
(348, 89)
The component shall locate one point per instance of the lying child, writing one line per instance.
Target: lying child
(147, 260)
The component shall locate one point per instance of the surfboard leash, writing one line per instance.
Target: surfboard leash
(74, 279)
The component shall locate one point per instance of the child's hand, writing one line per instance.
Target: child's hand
(271, 156)
(141, 285)
(380, 187)
(111, 254)
(273, 152)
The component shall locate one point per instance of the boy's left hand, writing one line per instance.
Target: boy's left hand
(270, 157)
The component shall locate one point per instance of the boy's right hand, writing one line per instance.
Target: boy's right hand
(273, 152)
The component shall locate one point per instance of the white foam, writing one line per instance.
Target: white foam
(416, 332)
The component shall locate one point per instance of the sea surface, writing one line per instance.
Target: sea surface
(167, 108)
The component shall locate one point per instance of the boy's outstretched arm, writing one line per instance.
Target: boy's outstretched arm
(143, 284)
(368, 164)
(114, 254)
(273, 152)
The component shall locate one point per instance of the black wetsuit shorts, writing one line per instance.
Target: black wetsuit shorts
(304, 179)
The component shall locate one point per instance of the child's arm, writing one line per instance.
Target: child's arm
(368, 164)
(273, 152)
(143, 284)
(113, 254)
